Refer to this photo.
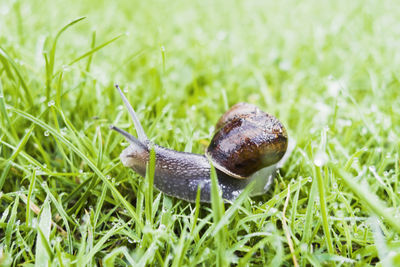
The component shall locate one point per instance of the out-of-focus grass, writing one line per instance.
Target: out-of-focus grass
(329, 71)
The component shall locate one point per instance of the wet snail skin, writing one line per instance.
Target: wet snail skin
(248, 146)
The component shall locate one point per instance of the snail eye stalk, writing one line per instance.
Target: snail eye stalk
(128, 136)
(139, 129)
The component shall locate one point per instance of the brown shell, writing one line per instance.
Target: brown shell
(247, 140)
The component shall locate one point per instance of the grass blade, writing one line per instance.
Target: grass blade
(51, 59)
(6, 57)
(324, 212)
(92, 51)
(11, 223)
(149, 180)
(43, 251)
(110, 258)
(218, 210)
(5, 116)
(28, 201)
(116, 228)
(15, 153)
(62, 213)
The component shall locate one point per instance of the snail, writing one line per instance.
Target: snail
(246, 147)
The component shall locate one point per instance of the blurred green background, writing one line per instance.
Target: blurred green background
(281, 55)
(329, 70)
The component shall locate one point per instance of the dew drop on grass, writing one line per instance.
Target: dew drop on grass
(364, 131)
(80, 171)
(66, 68)
(303, 247)
(309, 179)
(372, 168)
(320, 159)
(46, 133)
(285, 65)
(63, 130)
(334, 87)
(340, 213)
(51, 103)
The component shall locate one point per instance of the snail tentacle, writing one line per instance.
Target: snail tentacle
(138, 126)
(127, 135)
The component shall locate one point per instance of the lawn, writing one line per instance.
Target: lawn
(329, 70)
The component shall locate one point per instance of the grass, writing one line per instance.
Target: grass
(328, 71)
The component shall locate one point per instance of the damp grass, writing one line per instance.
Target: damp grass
(328, 71)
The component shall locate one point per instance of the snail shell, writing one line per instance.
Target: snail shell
(248, 140)
(246, 147)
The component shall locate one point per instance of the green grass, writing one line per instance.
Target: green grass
(328, 71)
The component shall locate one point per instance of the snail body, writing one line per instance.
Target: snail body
(246, 147)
